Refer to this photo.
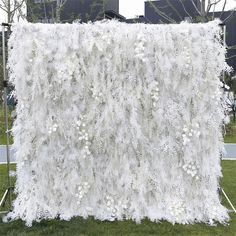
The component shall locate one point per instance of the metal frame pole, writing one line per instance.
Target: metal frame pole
(5, 83)
(223, 29)
(224, 43)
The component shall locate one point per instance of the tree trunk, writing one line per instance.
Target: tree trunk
(58, 12)
(8, 11)
(58, 15)
(203, 8)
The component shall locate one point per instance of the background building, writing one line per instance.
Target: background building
(50, 11)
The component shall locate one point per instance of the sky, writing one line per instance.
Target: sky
(132, 8)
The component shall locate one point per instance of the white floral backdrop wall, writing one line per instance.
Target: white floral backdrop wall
(118, 121)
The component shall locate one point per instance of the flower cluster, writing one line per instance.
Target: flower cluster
(82, 191)
(111, 207)
(155, 94)
(224, 86)
(153, 184)
(187, 57)
(191, 169)
(53, 128)
(52, 93)
(189, 132)
(140, 48)
(83, 136)
(98, 96)
(177, 210)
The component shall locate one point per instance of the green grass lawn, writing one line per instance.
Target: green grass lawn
(4, 183)
(230, 138)
(79, 226)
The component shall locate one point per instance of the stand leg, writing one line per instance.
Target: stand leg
(4, 198)
(230, 203)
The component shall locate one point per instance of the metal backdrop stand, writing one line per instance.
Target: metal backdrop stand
(7, 193)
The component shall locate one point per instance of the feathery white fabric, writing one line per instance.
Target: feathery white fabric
(118, 121)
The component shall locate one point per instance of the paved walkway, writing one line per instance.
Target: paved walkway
(3, 154)
(230, 151)
(229, 147)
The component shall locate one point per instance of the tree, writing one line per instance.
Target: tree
(59, 6)
(48, 11)
(13, 9)
(204, 9)
(96, 9)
